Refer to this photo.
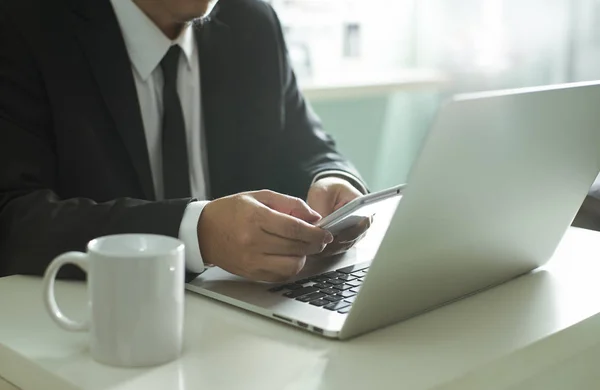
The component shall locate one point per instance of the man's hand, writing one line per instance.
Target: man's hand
(260, 235)
(329, 194)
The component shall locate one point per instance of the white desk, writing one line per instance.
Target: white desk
(515, 336)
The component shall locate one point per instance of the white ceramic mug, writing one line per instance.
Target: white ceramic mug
(136, 291)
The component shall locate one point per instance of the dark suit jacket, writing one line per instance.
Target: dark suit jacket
(73, 158)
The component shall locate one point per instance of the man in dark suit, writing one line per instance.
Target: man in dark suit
(124, 116)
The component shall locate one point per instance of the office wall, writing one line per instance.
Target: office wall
(380, 135)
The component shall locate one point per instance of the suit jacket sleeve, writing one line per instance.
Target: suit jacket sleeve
(36, 224)
(306, 149)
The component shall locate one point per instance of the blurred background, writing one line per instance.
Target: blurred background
(377, 70)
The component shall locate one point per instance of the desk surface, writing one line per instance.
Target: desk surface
(513, 334)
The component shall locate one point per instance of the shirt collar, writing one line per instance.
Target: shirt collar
(145, 43)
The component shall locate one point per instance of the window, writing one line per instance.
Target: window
(479, 44)
(341, 39)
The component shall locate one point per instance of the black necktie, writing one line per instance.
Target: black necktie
(176, 178)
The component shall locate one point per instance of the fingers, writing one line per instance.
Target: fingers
(355, 231)
(286, 226)
(287, 205)
(243, 236)
(273, 244)
(347, 239)
(330, 193)
(321, 202)
(339, 247)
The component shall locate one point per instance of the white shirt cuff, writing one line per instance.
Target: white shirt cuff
(344, 175)
(188, 233)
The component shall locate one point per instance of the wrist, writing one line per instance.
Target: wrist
(203, 231)
(344, 177)
(332, 180)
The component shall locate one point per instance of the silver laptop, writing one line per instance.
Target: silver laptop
(498, 181)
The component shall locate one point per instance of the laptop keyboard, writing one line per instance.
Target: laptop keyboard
(334, 290)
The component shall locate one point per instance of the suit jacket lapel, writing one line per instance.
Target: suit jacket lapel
(218, 103)
(98, 31)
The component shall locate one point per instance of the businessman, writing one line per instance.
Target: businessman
(126, 116)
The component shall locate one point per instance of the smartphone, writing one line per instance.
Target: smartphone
(356, 210)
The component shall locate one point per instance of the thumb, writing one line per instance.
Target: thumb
(287, 205)
(321, 200)
(321, 204)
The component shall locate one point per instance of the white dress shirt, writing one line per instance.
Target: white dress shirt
(147, 46)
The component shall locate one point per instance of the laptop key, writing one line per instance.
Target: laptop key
(331, 274)
(292, 286)
(310, 297)
(354, 283)
(330, 291)
(350, 300)
(346, 277)
(346, 294)
(319, 302)
(335, 282)
(321, 285)
(343, 287)
(353, 268)
(355, 289)
(301, 291)
(345, 310)
(334, 298)
(335, 306)
(358, 274)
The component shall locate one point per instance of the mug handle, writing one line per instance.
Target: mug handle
(79, 259)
